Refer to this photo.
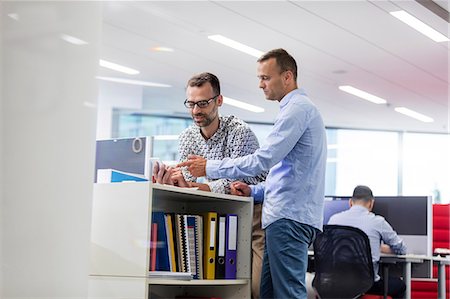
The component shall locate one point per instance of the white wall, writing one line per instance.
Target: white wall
(48, 139)
(115, 95)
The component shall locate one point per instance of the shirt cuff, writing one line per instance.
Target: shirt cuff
(257, 192)
(216, 186)
(212, 169)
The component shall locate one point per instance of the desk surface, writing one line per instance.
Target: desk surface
(442, 260)
(413, 258)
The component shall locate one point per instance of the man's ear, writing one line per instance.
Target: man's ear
(288, 76)
(350, 202)
(372, 202)
(219, 100)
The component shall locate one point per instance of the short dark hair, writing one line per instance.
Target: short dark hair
(362, 192)
(200, 79)
(284, 60)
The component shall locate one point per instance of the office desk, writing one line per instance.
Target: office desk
(406, 260)
(441, 262)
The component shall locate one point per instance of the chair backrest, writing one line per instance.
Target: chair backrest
(343, 262)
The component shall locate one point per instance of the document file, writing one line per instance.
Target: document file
(220, 252)
(231, 246)
(209, 252)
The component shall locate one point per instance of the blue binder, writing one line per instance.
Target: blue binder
(162, 256)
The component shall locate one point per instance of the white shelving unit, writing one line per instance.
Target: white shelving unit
(120, 238)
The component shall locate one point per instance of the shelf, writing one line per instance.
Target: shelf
(197, 282)
(120, 254)
(181, 194)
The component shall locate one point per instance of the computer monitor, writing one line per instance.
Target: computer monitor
(130, 155)
(334, 205)
(411, 218)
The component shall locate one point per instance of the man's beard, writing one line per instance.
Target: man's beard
(206, 121)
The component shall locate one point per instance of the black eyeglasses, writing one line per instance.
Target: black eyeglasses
(200, 104)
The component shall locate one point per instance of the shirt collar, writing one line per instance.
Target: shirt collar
(285, 100)
(359, 208)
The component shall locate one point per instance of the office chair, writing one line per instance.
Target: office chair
(343, 262)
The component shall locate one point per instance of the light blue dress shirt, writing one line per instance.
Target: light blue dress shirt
(295, 152)
(375, 227)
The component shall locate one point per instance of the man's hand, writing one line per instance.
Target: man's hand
(196, 165)
(385, 249)
(178, 178)
(162, 173)
(240, 189)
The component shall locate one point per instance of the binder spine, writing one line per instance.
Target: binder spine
(231, 246)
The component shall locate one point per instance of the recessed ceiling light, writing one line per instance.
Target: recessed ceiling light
(419, 26)
(414, 114)
(14, 16)
(73, 40)
(133, 82)
(118, 67)
(362, 94)
(162, 49)
(242, 105)
(236, 45)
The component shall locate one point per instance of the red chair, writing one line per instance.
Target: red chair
(427, 288)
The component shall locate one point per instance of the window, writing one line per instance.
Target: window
(364, 158)
(426, 166)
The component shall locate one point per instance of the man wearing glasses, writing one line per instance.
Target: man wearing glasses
(295, 151)
(216, 137)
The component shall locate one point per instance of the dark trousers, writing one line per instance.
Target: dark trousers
(396, 287)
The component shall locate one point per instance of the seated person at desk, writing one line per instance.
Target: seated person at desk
(377, 229)
(216, 137)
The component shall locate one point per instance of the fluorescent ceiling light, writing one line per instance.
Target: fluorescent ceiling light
(133, 82)
(236, 45)
(89, 104)
(419, 26)
(414, 114)
(73, 40)
(162, 49)
(242, 105)
(362, 94)
(118, 67)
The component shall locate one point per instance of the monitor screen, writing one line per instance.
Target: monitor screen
(129, 155)
(333, 206)
(408, 215)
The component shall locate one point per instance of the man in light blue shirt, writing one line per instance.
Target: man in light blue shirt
(295, 154)
(377, 229)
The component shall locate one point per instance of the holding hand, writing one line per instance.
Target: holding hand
(162, 174)
(240, 189)
(196, 165)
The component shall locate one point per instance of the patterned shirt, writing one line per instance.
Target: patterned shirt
(233, 139)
